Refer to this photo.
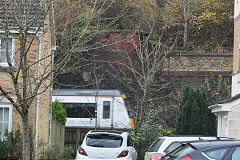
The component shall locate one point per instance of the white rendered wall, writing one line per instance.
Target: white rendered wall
(234, 125)
(235, 84)
(236, 8)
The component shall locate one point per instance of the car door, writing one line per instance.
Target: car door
(131, 148)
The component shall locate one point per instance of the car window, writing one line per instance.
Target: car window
(172, 146)
(129, 141)
(236, 154)
(104, 141)
(216, 153)
(156, 144)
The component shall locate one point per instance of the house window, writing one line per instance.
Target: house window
(5, 118)
(3, 55)
(106, 109)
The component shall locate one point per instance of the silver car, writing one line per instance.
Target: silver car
(164, 144)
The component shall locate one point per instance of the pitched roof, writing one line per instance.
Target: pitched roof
(234, 98)
(22, 13)
(226, 105)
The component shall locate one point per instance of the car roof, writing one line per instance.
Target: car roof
(115, 132)
(208, 144)
(176, 136)
(167, 140)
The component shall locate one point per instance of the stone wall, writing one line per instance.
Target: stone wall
(194, 62)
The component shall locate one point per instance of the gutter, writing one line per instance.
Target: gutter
(213, 106)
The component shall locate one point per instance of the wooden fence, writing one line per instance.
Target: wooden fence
(58, 134)
(75, 136)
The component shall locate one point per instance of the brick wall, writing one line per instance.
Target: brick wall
(123, 42)
(45, 97)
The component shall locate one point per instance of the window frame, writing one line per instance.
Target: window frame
(9, 106)
(5, 64)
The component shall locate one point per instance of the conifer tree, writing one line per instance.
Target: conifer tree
(194, 117)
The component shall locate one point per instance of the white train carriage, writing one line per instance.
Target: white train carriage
(90, 108)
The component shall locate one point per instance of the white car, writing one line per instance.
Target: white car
(164, 144)
(107, 145)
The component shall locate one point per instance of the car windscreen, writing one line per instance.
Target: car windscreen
(104, 141)
(155, 146)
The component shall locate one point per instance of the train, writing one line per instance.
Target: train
(95, 108)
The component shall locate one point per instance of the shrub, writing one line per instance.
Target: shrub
(4, 149)
(59, 113)
(13, 144)
(146, 132)
(165, 132)
(14, 140)
(55, 153)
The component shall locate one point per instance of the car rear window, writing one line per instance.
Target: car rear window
(183, 150)
(156, 144)
(104, 141)
(172, 146)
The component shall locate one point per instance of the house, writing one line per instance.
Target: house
(228, 112)
(19, 19)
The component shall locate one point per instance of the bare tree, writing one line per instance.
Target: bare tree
(138, 70)
(30, 71)
(25, 23)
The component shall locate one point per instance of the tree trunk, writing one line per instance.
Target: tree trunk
(185, 23)
(25, 138)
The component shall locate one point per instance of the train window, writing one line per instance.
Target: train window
(80, 110)
(106, 109)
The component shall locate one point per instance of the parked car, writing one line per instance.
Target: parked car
(164, 144)
(206, 150)
(107, 145)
